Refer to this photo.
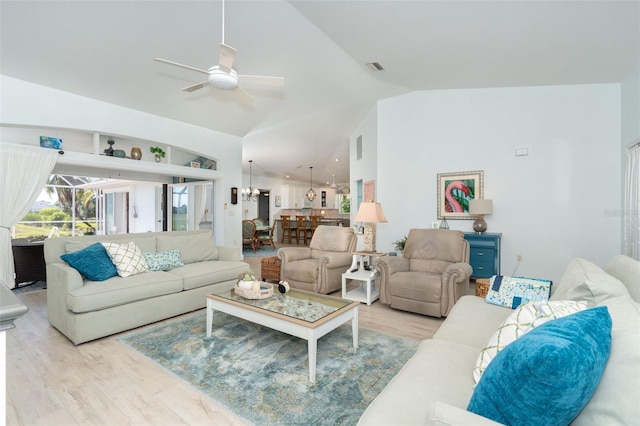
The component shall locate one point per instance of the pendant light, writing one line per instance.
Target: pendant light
(250, 194)
(311, 194)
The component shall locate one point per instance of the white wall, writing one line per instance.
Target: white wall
(26, 104)
(550, 206)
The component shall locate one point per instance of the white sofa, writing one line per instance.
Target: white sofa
(436, 384)
(85, 310)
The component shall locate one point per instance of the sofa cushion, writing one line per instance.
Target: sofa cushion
(93, 262)
(548, 375)
(193, 247)
(524, 319)
(200, 274)
(164, 261)
(118, 291)
(472, 321)
(583, 280)
(439, 371)
(511, 292)
(143, 242)
(127, 257)
(627, 270)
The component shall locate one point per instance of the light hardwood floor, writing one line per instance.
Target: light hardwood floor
(52, 382)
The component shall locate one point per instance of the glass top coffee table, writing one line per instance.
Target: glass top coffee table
(299, 313)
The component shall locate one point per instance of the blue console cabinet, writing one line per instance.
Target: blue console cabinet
(484, 257)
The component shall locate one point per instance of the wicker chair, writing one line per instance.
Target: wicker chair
(249, 235)
(266, 239)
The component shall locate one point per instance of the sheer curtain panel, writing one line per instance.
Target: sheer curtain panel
(23, 174)
(632, 203)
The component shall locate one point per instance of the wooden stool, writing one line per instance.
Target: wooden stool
(270, 268)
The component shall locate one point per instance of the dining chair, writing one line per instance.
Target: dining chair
(249, 234)
(266, 239)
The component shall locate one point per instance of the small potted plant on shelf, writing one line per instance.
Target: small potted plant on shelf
(399, 244)
(158, 152)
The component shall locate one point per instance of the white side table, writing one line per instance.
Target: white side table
(368, 292)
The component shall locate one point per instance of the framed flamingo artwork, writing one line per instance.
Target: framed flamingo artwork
(455, 190)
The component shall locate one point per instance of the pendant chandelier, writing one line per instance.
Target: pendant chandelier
(311, 194)
(250, 194)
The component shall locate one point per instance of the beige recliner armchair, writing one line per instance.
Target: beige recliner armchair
(430, 277)
(320, 266)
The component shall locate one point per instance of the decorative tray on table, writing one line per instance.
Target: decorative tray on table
(266, 290)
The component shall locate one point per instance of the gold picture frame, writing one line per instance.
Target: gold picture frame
(455, 190)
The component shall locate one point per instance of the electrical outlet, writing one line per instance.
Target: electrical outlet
(519, 257)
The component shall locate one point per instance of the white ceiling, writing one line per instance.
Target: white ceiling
(105, 50)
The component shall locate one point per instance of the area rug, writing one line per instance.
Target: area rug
(262, 375)
(262, 251)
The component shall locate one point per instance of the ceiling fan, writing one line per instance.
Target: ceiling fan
(223, 76)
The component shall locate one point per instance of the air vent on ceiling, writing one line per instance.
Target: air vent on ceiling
(375, 66)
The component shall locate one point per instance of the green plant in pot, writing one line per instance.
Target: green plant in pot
(399, 244)
(158, 152)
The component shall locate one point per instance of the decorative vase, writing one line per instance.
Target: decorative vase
(109, 151)
(119, 153)
(136, 153)
(245, 284)
(158, 158)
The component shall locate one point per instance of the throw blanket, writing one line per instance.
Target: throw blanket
(511, 292)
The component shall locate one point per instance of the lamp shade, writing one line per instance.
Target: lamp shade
(480, 207)
(370, 212)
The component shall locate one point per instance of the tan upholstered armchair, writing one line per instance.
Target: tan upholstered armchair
(430, 277)
(320, 266)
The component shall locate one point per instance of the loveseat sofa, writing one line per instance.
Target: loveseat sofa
(437, 384)
(85, 310)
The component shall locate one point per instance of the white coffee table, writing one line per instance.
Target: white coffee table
(299, 313)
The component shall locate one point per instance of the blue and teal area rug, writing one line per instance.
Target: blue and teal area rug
(263, 251)
(262, 375)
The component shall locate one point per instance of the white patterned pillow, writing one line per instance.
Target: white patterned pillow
(127, 257)
(164, 261)
(524, 319)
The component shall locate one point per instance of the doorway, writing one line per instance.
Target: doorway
(263, 205)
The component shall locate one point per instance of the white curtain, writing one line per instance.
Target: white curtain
(200, 192)
(632, 204)
(24, 172)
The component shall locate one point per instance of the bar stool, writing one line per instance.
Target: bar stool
(286, 228)
(301, 232)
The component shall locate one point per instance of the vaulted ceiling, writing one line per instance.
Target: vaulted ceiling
(105, 50)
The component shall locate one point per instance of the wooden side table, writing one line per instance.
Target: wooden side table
(361, 269)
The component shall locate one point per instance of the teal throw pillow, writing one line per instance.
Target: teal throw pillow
(164, 261)
(547, 376)
(92, 262)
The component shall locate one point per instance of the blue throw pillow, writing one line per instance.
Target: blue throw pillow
(92, 262)
(547, 376)
(164, 261)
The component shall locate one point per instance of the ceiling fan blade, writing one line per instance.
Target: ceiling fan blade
(180, 65)
(261, 79)
(195, 87)
(227, 56)
(246, 97)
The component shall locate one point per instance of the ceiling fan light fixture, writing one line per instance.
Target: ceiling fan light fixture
(222, 80)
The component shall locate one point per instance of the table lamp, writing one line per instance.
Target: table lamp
(370, 213)
(479, 208)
